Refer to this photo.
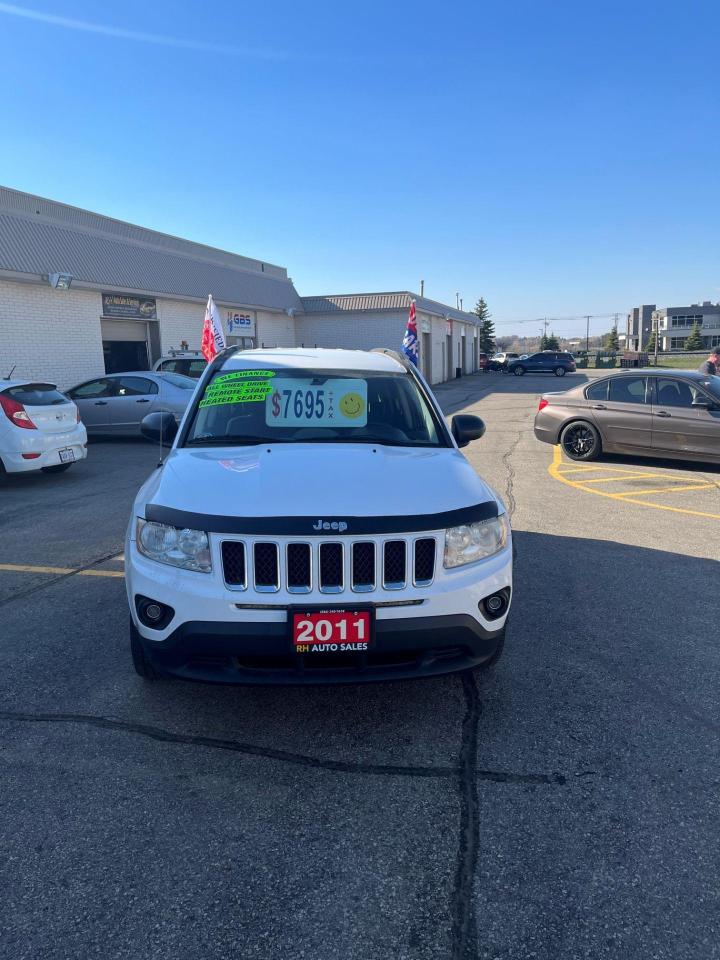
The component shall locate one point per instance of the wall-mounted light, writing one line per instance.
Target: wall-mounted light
(60, 281)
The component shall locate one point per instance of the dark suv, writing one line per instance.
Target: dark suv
(549, 361)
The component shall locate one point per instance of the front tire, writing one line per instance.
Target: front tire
(559, 371)
(142, 665)
(518, 371)
(580, 440)
(57, 468)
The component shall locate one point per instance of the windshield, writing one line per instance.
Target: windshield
(313, 406)
(37, 395)
(177, 380)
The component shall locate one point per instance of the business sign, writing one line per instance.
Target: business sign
(123, 307)
(238, 322)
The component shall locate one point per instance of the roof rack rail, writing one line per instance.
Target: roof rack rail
(401, 358)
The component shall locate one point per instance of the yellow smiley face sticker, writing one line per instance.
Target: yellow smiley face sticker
(351, 405)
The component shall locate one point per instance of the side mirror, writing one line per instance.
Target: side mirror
(160, 427)
(703, 403)
(465, 427)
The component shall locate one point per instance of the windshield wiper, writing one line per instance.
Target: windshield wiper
(229, 441)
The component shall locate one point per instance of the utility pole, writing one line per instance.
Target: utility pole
(587, 333)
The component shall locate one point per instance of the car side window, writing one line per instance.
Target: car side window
(628, 390)
(598, 391)
(135, 386)
(93, 390)
(169, 366)
(676, 393)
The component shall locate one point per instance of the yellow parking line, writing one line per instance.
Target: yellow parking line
(557, 474)
(653, 490)
(58, 571)
(627, 476)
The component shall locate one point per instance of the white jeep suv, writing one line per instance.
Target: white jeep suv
(315, 522)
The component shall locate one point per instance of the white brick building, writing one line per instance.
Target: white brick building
(135, 294)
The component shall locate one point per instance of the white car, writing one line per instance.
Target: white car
(315, 522)
(40, 428)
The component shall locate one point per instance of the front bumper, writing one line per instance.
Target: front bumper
(217, 636)
(253, 653)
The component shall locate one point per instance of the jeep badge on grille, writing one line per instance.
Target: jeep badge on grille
(338, 525)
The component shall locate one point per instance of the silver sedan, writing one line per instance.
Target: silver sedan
(114, 405)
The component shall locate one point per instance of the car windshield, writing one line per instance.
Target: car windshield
(248, 406)
(178, 380)
(37, 395)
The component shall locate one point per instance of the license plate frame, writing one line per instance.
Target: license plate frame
(331, 646)
(67, 455)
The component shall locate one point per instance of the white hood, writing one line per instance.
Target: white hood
(315, 480)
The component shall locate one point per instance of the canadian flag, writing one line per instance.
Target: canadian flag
(213, 338)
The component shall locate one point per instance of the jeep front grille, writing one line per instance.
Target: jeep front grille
(329, 566)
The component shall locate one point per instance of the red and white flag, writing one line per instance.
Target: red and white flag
(213, 338)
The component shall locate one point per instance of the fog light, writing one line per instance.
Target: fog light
(496, 605)
(152, 613)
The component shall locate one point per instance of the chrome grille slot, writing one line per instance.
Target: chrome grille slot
(331, 568)
(233, 560)
(363, 567)
(424, 560)
(267, 572)
(299, 568)
(394, 577)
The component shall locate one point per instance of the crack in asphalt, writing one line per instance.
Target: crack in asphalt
(464, 925)
(61, 576)
(510, 483)
(272, 753)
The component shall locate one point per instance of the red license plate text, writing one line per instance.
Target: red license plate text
(331, 631)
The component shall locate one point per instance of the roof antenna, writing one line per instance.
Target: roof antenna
(12, 371)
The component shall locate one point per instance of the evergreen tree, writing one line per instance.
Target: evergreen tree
(611, 342)
(650, 345)
(694, 341)
(486, 328)
(549, 342)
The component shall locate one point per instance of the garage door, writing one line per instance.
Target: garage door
(131, 331)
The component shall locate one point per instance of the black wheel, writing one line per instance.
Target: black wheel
(518, 371)
(57, 468)
(581, 441)
(559, 371)
(142, 665)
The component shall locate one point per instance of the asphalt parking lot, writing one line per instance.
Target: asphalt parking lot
(562, 805)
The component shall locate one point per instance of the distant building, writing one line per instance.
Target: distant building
(639, 327)
(675, 324)
(82, 295)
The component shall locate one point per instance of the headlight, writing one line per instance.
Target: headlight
(189, 549)
(475, 541)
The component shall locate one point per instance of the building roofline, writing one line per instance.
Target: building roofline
(184, 241)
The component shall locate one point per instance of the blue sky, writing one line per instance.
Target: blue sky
(556, 158)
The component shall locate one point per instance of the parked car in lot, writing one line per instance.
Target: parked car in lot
(115, 405)
(40, 428)
(548, 361)
(187, 363)
(483, 362)
(315, 522)
(655, 413)
(499, 361)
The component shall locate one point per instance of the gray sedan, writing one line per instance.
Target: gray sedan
(115, 404)
(654, 413)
